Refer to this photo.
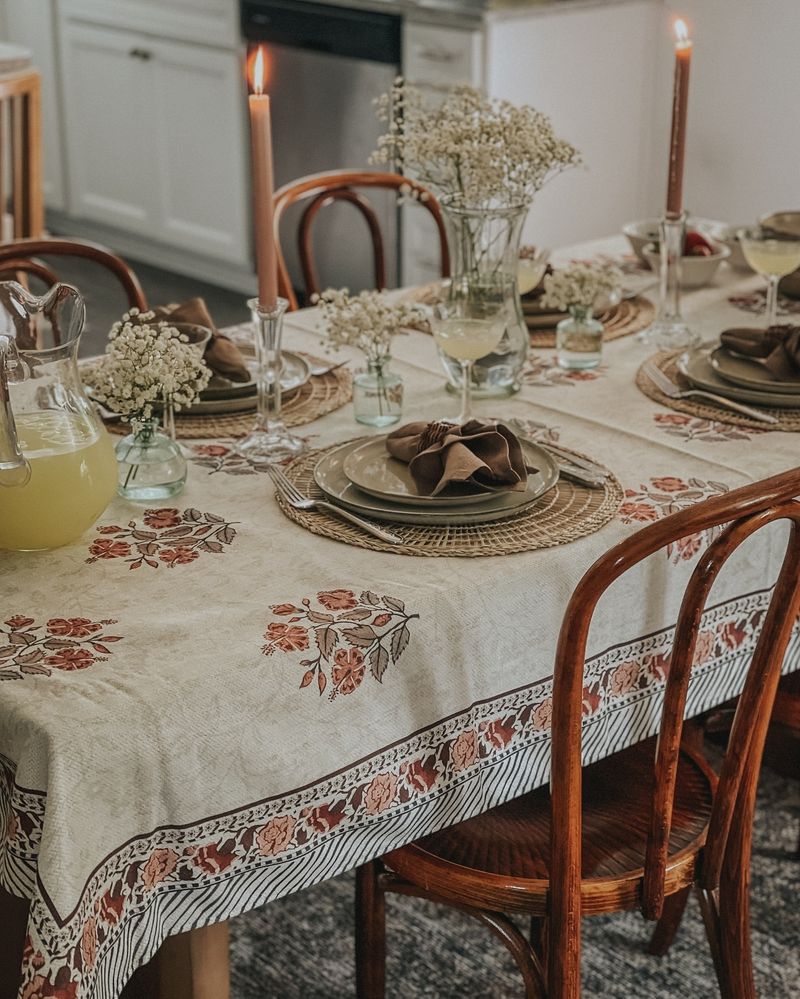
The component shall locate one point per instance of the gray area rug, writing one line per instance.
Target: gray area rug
(301, 947)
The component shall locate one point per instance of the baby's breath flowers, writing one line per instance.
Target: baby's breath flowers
(473, 151)
(148, 362)
(579, 286)
(367, 321)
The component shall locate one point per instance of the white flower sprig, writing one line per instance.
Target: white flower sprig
(475, 151)
(581, 285)
(147, 362)
(367, 321)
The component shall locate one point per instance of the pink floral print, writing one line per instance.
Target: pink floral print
(62, 643)
(168, 537)
(691, 428)
(351, 633)
(667, 494)
(544, 372)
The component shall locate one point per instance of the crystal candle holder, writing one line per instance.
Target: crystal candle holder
(269, 439)
(669, 330)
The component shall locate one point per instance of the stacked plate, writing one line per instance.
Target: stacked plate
(365, 478)
(224, 396)
(745, 379)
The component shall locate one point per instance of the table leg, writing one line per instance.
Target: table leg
(14, 923)
(190, 965)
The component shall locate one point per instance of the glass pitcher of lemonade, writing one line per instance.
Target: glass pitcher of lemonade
(58, 471)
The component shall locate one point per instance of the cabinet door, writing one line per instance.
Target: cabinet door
(199, 147)
(107, 101)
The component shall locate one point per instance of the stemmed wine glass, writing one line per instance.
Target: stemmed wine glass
(773, 255)
(466, 340)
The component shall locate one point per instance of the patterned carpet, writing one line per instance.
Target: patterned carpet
(302, 947)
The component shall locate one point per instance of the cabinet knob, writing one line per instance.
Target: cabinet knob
(142, 54)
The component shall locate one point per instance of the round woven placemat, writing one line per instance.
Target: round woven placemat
(632, 315)
(566, 513)
(321, 394)
(788, 419)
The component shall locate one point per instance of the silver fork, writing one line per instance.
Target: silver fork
(669, 388)
(322, 369)
(295, 498)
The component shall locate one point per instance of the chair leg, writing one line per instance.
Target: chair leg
(524, 956)
(735, 946)
(667, 926)
(370, 932)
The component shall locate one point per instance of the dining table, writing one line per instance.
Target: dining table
(207, 706)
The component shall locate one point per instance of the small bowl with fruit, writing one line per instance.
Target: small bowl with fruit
(700, 262)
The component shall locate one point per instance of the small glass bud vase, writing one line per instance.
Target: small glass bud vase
(150, 464)
(377, 394)
(579, 340)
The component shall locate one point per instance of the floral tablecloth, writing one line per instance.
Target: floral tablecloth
(207, 707)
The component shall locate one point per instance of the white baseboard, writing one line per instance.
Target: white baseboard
(234, 277)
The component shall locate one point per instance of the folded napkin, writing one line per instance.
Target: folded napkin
(778, 347)
(438, 454)
(221, 354)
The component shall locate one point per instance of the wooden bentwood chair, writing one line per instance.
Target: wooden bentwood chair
(636, 830)
(21, 154)
(324, 189)
(21, 258)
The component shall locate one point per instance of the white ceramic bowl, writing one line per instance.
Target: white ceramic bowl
(726, 234)
(695, 271)
(640, 234)
(645, 231)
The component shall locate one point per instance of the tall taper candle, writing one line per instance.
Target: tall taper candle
(263, 185)
(677, 145)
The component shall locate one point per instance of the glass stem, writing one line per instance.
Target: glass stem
(269, 327)
(466, 391)
(672, 235)
(772, 300)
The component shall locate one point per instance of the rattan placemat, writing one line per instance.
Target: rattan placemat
(632, 315)
(788, 419)
(320, 395)
(566, 513)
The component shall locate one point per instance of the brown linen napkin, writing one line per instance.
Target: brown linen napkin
(438, 454)
(221, 355)
(778, 347)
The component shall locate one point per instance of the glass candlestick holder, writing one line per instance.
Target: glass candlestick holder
(269, 439)
(669, 330)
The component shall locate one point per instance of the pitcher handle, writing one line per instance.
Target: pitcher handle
(14, 467)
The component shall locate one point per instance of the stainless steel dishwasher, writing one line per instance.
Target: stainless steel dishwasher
(326, 64)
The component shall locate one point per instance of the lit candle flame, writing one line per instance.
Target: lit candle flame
(258, 72)
(682, 40)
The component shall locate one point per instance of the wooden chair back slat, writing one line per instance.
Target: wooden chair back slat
(320, 187)
(21, 153)
(305, 243)
(20, 257)
(747, 511)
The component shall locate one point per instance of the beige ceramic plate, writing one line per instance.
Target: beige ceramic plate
(331, 479)
(375, 472)
(749, 374)
(295, 371)
(696, 365)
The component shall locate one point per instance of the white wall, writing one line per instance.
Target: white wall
(592, 69)
(743, 141)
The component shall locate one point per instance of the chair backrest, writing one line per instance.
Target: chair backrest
(20, 258)
(21, 156)
(324, 189)
(743, 512)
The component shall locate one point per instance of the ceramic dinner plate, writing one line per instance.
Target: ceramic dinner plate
(696, 365)
(241, 396)
(749, 374)
(377, 473)
(330, 476)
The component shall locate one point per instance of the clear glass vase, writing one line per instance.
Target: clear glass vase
(150, 464)
(579, 340)
(377, 394)
(484, 253)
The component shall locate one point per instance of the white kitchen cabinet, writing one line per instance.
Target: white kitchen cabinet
(155, 138)
(434, 58)
(32, 23)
